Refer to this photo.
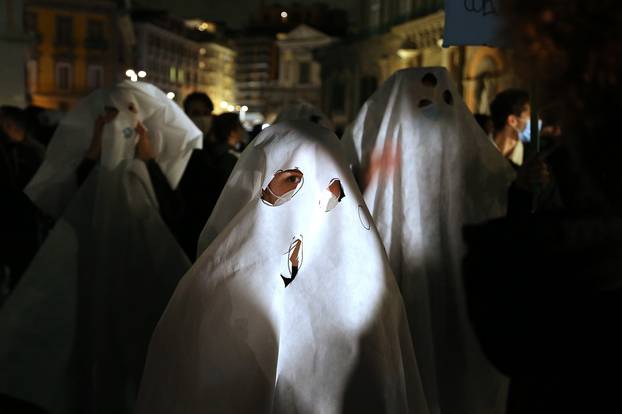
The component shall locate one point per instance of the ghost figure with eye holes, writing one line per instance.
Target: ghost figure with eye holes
(75, 330)
(291, 306)
(448, 174)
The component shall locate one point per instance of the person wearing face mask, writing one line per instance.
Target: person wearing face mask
(198, 174)
(533, 187)
(292, 305)
(75, 329)
(170, 201)
(510, 112)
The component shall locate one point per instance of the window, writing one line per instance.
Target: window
(64, 31)
(172, 73)
(181, 76)
(304, 75)
(95, 38)
(32, 75)
(95, 76)
(63, 76)
(30, 22)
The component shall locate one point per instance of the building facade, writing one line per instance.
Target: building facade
(181, 57)
(169, 59)
(256, 71)
(274, 62)
(217, 75)
(397, 34)
(299, 77)
(74, 50)
(14, 46)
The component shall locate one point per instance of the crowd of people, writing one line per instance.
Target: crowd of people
(154, 259)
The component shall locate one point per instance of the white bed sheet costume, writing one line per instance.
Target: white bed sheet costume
(76, 329)
(245, 334)
(448, 174)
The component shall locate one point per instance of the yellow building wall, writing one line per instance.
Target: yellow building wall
(46, 93)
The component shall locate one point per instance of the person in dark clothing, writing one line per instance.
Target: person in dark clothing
(199, 107)
(23, 225)
(549, 319)
(208, 168)
(25, 155)
(40, 124)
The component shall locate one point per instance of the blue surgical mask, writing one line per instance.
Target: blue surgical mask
(525, 134)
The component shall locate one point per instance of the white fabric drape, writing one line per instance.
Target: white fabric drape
(75, 331)
(235, 339)
(438, 172)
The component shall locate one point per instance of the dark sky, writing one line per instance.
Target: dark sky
(234, 12)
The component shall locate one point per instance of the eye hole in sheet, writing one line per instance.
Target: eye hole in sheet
(429, 80)
(332, 195)
(283, 187)
(294, 261)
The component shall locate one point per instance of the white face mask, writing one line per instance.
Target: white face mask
(203, 122)
(328, 201)
(282, 199)
(119, 139)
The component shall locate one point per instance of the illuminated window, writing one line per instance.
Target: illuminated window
(172, 74)
(181, 76)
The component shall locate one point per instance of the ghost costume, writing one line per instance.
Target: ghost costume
(76, 329)
(250, 330)
(304, 111)
(439, 172)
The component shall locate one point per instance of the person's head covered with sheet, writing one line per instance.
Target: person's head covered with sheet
(172, 135)
(428, 169)
(291, 305)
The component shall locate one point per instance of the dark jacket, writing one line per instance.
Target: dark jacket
(544, 293)
(22, 225)
(204, 179)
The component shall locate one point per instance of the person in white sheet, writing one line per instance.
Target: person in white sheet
(427, 169)
(293, 306)
(76, 329)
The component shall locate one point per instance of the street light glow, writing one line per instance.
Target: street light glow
(244, 108)
(134, 78)
(129, 73)
(223, 104)
(142, 74)
(284, 15)
(170, 95)
(230, 108)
